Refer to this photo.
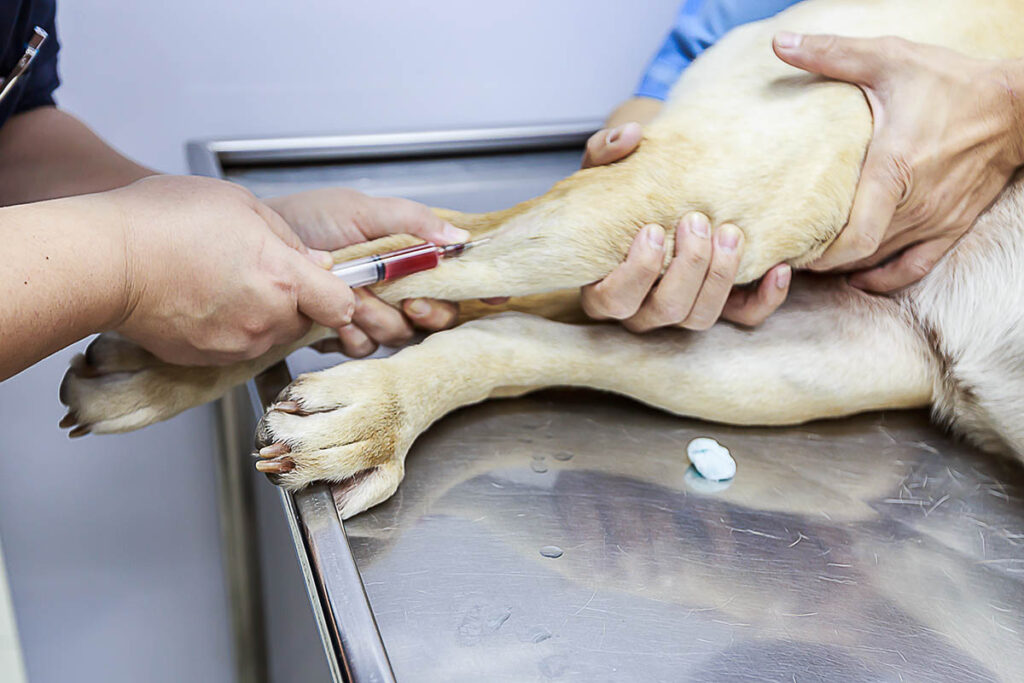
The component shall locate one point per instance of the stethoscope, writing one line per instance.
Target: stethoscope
(34, 43)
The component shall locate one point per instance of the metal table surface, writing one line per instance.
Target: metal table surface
(866, 549)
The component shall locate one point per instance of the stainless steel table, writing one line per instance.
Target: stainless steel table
(561, 536)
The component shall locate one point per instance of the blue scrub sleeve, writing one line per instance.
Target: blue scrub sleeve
(699, 24)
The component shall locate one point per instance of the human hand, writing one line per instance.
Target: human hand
(213, 276)
(948, 134)
(696, 288)
(332, 218)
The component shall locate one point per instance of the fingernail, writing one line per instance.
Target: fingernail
(783, 277)
(321, 258)
(656, 236)
(454, 235)
(613, 135)
(728, 237)
(698, 224)
(419, 307)
(788, 40)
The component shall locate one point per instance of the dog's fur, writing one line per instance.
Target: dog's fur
(743, 138)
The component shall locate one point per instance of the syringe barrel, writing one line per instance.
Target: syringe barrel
(372, 269)
(360, 272)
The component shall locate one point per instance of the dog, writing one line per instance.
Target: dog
(743, 138)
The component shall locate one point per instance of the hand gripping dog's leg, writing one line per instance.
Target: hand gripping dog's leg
(814, 359)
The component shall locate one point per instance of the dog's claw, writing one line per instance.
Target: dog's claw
(69, 420)
(80, 430)
(274, 450)
(276, 466)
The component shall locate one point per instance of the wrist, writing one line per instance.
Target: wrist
(99, 222)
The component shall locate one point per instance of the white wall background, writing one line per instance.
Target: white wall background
(112, 542)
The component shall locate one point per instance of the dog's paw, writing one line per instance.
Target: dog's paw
(117, 386)
(345, 425)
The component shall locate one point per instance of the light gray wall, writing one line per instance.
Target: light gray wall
(149, 75)
(111, 542)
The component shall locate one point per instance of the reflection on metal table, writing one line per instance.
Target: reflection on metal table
(559, 536)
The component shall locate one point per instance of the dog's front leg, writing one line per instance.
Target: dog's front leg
(830, 352)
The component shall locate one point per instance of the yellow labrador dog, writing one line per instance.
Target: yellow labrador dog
(744, 138)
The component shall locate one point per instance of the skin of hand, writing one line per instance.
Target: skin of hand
(332, 218)
(948, 135)
(212, 275)
(696, 288)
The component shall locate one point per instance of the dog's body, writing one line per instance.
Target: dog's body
(743, 138)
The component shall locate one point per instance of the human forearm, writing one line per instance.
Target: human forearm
(62, 276)
(642, 110)
(46, 153)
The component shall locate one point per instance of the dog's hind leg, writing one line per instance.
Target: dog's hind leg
(831, 351)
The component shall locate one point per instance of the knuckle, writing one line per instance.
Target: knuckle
(619, 310)
(918, 267)
(720, 275)
(699, 323)
(891, 46)
(743, 317)
(254, 349)
(865, 244)
(611, 305)
(639, 324)
(648, 269)
(252, 328)
(359, 349)
(697, 259)
(665, 312)
(920, 211)
(396, 337)
(825, 44)
(898, 174)
(753, 316)
(594, 307)
(338, 316)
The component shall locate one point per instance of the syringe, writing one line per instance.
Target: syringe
(380, 267)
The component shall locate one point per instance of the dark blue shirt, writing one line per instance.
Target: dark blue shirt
(35, 87)
(699, 25)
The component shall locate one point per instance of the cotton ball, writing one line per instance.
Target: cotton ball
(711, 459)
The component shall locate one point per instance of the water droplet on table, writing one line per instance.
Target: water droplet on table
(534, 634)
(552, 551)
(538, 466)
(563, 455)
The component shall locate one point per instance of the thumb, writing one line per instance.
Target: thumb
(322, 296)
(854, 60)
(608, 146)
